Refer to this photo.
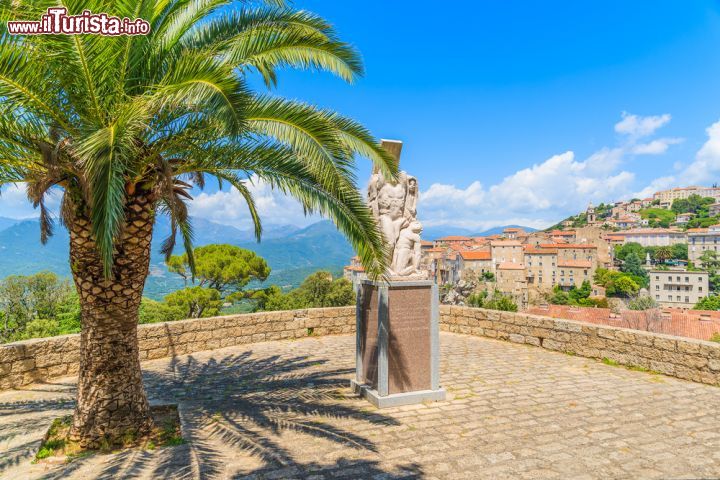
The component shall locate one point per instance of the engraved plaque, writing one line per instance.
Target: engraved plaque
(409, 339)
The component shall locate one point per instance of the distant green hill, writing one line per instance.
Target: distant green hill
(291, 253)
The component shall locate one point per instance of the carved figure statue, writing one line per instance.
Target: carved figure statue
(406, 257)
(394, 205)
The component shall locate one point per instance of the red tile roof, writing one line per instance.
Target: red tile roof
(698, 324)
(476, 255)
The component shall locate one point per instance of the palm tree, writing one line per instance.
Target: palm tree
(663, 254)
(124, 127)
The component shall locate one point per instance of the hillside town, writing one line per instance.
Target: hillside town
(661, 249)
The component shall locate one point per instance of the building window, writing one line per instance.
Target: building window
(657, 287)
(657, 297)
(687, 299)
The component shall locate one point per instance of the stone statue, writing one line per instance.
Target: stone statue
(394, 205)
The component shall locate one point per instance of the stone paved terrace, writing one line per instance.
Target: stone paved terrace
(283, 410)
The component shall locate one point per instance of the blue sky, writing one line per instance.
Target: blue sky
(501, 103)
(482, 90)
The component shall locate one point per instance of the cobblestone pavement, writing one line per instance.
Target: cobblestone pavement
(282, 410)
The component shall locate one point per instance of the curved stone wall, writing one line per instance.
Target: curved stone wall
(22, 363)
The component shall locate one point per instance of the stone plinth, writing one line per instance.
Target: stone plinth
(397, 348)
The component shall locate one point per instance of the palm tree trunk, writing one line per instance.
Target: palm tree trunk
(111, 400)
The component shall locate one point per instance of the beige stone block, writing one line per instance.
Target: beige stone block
(551, 344)
(57, 370)
(694, 361)
(157, 353)
(662, 367)
(21, 366)
(665, 343)
(685, 346)
(714, 364)
(625, 336)
(709, 378)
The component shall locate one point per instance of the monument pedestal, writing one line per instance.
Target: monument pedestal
(397, 347)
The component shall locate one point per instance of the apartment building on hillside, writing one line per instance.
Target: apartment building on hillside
(652, 237)
(667, 197)
(701, 240)
(676, 288)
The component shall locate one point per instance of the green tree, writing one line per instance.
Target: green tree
(195, 302)
(38, 305)
(225, 268)
(633, 266)
(693, 204)
(625, 286)
(122, 127)
(152, 311)
(559, 296)
(663, 254)
(477, 299)
(679, 251)
(623, 251)
(317, 290)
(501, 302)
(708, 303)
(642, 302)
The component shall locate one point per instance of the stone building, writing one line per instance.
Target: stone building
(667, 197)
(676, 288)
(510, 279)
(701, 240)
(506, 251)
(541, 264)
(474, 263)
(653, 237)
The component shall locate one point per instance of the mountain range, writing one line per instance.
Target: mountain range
(432, 233)
(292, 252)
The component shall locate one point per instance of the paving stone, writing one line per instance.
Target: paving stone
(283, 409)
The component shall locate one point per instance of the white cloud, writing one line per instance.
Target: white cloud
(15, 204)
(531, 196)
(655, 147)
(706, 167)
(540, 195)
(703, 170)
(637, 126)
(229, 207)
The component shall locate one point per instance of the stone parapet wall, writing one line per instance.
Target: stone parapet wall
(685, 358)
(37, 360)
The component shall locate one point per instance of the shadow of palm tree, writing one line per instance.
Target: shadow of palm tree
(241, 405)
(22, 426)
